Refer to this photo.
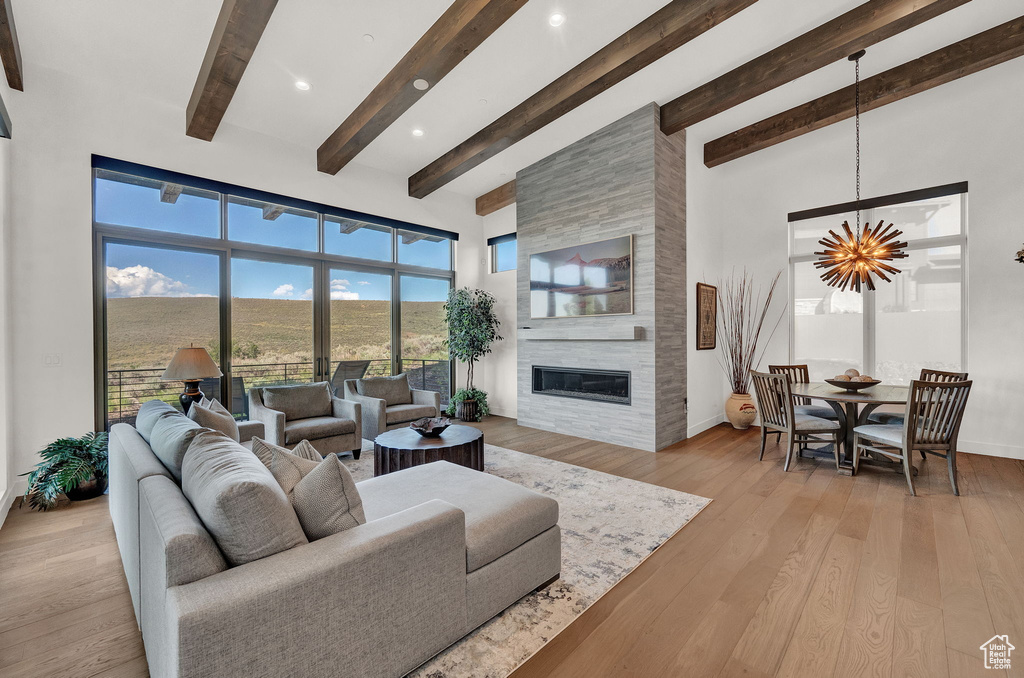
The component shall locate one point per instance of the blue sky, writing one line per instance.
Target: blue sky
(150, 271)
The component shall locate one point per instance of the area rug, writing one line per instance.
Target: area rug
(609, 526)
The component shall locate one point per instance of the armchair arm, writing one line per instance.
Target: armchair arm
(273, 420)
(394, 587)
(429, 398)
(247, 430)
(349, 409)
(374, 414)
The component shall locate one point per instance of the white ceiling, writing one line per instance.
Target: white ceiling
(154, 48)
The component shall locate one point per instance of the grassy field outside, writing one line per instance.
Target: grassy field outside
(144, 332)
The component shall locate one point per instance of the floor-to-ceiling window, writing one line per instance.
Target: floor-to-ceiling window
(916, 321)
(278, 290)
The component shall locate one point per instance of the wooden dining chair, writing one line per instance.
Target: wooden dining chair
(931, 425)
(798, 374)
(896, 418)
(774, 395)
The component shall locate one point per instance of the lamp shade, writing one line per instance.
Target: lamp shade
(191, 364)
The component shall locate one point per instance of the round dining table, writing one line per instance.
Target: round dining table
(853, 408)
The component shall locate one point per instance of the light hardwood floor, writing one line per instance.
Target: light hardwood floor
(805, 573)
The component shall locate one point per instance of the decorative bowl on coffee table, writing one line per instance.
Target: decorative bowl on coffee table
(430, 427)
(852, 385)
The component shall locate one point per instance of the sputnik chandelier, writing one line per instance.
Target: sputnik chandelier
(851, 259)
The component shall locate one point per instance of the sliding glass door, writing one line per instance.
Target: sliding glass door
(360, 328)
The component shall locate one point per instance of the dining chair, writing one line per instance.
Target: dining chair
(798, 374)
(896, 418)
(775, 406)
(931, 426)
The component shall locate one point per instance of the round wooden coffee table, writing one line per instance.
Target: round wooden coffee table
(404, 448)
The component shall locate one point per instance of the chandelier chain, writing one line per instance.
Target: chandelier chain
(857, 118)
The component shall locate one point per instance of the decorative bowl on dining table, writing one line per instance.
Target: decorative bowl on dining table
(851, 385)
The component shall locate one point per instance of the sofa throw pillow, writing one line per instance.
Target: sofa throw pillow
(326, 500)
(148, 415)
(238, 500)
(287, 466)
(170, 440)
(211, 414)
(300, 402)
(393, 390)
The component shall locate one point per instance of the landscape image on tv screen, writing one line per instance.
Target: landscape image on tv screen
(583, 280)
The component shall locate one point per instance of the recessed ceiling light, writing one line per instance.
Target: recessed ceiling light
(556, 19)
(417, 132)
(420, 84)
(302, 85)
(483, 102)
(367, 38)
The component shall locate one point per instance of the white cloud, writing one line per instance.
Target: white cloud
(364, 282)
(341, 295)
(307, 295)
(284, 290)
(142, 281)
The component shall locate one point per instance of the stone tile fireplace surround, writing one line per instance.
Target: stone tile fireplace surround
(627, 178)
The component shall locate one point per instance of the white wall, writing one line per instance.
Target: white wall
(58, 125)
(7, 489)
(497, 372)
(966, 130)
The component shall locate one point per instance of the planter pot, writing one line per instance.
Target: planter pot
(467, 410)
(90, 489)
(740, 410)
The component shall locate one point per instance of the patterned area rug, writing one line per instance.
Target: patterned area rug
(609, 526)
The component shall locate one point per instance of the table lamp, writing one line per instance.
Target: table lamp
(191, 365)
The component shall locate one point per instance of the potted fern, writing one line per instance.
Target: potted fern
(472, 328)
(75, 467)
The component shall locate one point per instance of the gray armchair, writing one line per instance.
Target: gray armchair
(389, 402)
(310, 412)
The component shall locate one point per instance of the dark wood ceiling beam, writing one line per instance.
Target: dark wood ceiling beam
(237, 32)
(459, 31)
(960, 59)
(10, 52)
(858, 29)
(5, 122)
(669, 28)
(492, 201)
(169, 192)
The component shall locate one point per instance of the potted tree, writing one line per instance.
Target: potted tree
(472, 328)
(741, 316)
(76, 467)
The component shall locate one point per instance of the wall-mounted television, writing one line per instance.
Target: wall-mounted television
(591, 279)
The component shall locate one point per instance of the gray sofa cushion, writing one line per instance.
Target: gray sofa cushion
(211, 414)
(148, 415)
(171, 438)
(300, 402)
(397, 414)
(287, 468)
(315, 428)
(238, 500)
(500, 515)
(393, 390)
(326, 500)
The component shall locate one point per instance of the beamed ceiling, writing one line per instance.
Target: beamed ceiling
(505, 53)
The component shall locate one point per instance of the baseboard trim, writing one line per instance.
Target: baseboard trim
(992, 449)
(10, 494)
(700, 427)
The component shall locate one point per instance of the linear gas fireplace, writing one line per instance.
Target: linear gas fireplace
(606, 386)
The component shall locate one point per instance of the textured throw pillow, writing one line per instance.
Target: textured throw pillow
(148, 415)
(171, 438)
(287, 466)
(211, 414)
(326, 500)
(238, 500)
(392, 390)
(300, 402)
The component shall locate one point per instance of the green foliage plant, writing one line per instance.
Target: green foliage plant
(66, 464)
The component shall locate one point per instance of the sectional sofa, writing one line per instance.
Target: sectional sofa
(442, 550)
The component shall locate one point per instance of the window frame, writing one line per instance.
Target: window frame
(869, 308)
(492, 248)
(226, 249)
